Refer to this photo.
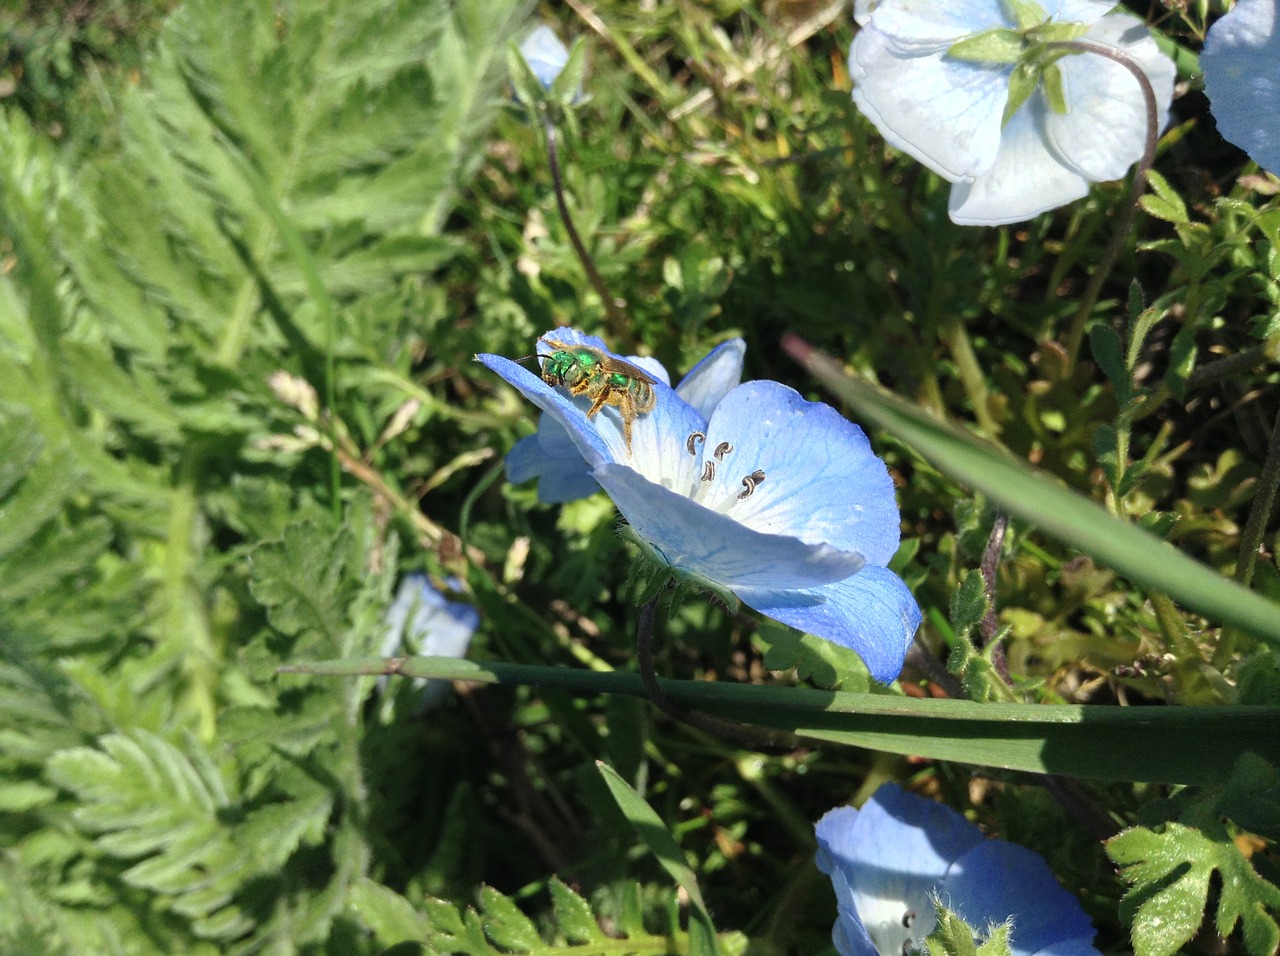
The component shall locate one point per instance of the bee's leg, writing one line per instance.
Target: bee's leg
(626, 432)
(597, 403)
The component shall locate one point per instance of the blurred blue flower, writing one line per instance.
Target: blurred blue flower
(545, 54)
(1241, 63)
(948, 112)
(422, 621)
(759, 493)
(550, 454)
(891, 859)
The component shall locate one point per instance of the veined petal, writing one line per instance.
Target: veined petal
(946, 113)
(871, 612)
(1104, 129)
(695, 538)
(823, 484)
(712, 378)
(1025, 180)
(997, 880)
(930, 23)
(1241, 63)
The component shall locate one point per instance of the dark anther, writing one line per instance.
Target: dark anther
(709, 471)
(749, 483)
(722, 449)
(694, 439)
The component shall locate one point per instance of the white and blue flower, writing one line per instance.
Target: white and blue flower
(1241, 63)
(421, 620)
(545, 54)
(754, 490)
(891, 859)
(949, 112)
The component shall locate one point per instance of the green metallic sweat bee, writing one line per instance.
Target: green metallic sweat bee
(605, 380)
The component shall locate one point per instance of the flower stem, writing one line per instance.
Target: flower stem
(617, 321)
(1260, 512)
(1075, 335)
(970, 372)
(736, 733)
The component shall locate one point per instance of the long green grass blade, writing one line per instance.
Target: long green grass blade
(1185, 745)
(1038, 499)
(650, 828)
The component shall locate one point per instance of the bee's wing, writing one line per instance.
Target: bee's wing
(612, 364)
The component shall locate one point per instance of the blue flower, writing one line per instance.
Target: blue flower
(545, 54)
(891, 859)
(1241, 63)
(421, 620)
(948, 112)
(761, 493)
(550, 454)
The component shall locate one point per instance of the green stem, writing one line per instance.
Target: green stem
(970, 371)
(1260, 513)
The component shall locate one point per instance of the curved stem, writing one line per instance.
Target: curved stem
(617, 322)
(737, 733)
(1075, 334)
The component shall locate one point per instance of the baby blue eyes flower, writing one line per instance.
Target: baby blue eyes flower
(1241, 63)
(421, 620)
(891, 859)
(949, 112)
(754, 490)
(545, 54)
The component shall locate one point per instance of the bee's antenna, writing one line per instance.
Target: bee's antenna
(617, 321)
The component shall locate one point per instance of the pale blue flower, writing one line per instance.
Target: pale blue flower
(550, 454)
(1241, 63)
(545, 54)
(778, 500)
(948, 113)
(891, 859)
(422, 621)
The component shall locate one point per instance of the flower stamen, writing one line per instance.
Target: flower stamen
(750, 482)
(692, 440)
(722, 449)
(709, 471)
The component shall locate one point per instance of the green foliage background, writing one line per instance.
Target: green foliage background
(246, 253)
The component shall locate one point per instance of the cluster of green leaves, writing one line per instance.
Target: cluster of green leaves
(235, 403)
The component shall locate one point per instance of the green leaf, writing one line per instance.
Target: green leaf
(651, 830)
(1159, 744)
(1169, 875)
(1166, 204)
(573, 915)
(1042, 502)
(969, 603)
(1054, 92)
(991, 46)
(1023, 81)
(1024, 13)
(505, 925)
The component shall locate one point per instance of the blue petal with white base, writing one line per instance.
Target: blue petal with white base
(775, 498)
(422, 620)
(888, 860)
(545, 54)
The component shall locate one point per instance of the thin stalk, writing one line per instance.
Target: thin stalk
(1260, 512)
(1075, 334)
(990, 626)
(970, 371)
(617, 321)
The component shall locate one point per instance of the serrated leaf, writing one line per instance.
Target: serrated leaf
(505, 925)
(1166, 204)
(1169, 874)
(385, 913)
(969, 603)
(573, 914)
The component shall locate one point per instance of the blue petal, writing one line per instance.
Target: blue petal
(712, 378)
(694, 538)
(822, 484)
(438, 627)
(872, 613)
(551, 456)
(996, 881)
(545, 54)
(1241, 63)
(893, 853)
